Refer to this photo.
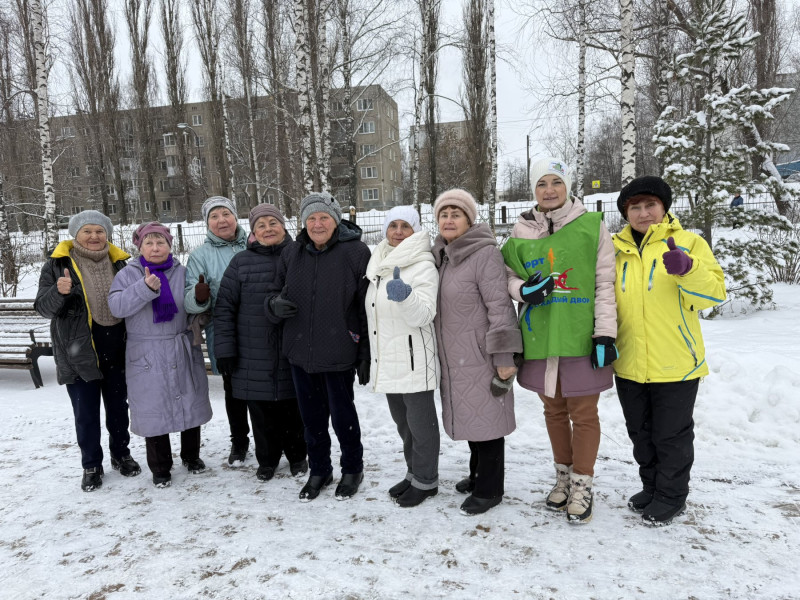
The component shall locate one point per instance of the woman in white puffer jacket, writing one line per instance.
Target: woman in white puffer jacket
(401, 304)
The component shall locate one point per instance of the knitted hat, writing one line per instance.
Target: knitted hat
(265, 210)
(152, 227)
(320, 202)
(648, 184)
(90, 217)
(215, 202)
(460, 199)
(551, 166)
(402, 213)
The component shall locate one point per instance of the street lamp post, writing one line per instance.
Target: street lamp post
(197, 151)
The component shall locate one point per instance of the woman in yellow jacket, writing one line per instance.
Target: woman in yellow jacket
(665, 275)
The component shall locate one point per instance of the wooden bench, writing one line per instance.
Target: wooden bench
(24, 337)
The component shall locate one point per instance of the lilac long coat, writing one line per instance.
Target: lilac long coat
(167, 382)
(476, 331)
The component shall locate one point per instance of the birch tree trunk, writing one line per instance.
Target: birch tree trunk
(492, 64)
(323, 82)
(628, 94)
(580, 149)
(303, 72)
(9, 265)
(420, 96)
(228, 152)
(43, 104)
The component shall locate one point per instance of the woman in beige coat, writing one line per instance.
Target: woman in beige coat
(560, 262)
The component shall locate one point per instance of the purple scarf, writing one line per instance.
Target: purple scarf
(164, 308)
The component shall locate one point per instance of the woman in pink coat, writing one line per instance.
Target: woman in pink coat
(477, 336)
(561, 269)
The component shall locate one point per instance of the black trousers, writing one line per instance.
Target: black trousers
(237, 415)
(159, 451)
(277, 429)
(324, 397)
(109, 343)
(659, 420)
(487, 467)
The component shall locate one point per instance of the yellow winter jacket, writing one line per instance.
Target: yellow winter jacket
(658, 335)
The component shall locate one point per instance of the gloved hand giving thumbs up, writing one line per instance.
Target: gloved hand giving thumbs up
(152, 281)
(64, 284)
(397, 290)
(202, 292)
(676, 261)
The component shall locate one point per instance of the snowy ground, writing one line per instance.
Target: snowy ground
(222, 534)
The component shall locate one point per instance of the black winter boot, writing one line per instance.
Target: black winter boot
(398, 488)
(465, 486)
(126, 466)
(299, 468)
(315, 484)
(348, 485)
(660, 513)
(414, 496)
(478, 506)
(92, 479)
(638, 502)
(195, 465)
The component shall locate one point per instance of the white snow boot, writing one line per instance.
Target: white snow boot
(558, 496)
(579, 505)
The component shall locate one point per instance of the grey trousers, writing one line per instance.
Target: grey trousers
(418, 426)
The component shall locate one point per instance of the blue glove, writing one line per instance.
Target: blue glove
(535, 290)
(604, 352)
(397, 290)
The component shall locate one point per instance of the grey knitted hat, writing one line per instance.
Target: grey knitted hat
(215, 202)
(90, 217)
(320, 202)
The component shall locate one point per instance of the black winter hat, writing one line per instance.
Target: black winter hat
(649, 184)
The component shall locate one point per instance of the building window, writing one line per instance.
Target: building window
(199, 140)
(270, 199)
(369, 194)
(368, 149)
(67, 132)
(337, 106)
(389, 111)
(168, 184)
(111, 190)
(364, 104)
(166, 205)
(77, 209)
(369, 172)
(169, 139)
(162, 164)
(197, 120)
(391, 154)
(367, 127)
(73, 171)
(147, 207)
(112, 209)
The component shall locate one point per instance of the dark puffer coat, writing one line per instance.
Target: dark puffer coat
(71, 325)
(243, 331)
(329, 331)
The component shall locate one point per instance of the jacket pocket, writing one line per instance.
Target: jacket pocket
(411, 350)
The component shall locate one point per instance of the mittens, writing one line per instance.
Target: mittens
(282, 308)
(226, 366)
(202, 291)
(397, 290)
(500, 387)
(535, 290)
(604, 352)
(676, 261)
(362, 370)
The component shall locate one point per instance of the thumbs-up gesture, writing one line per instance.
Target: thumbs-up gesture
(397, 290)
(64, 284)
(676, 261)
(152, 281)
(202, 291)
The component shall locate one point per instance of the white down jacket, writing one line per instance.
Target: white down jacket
(401, 335)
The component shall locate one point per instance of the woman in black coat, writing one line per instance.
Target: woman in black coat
(248, 347)
(88, 341)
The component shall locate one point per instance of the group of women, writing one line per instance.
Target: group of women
(290, 324)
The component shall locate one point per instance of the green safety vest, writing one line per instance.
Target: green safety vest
(564, 324)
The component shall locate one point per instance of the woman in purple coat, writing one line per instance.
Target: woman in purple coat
(166, 375)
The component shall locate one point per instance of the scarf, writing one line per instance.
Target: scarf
(164, 308)
(97, 274)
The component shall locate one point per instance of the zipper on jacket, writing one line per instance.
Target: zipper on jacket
(624, 273)
(688, 345)
(443, 354)
(650, 280)
(411, 351)
(311, 320)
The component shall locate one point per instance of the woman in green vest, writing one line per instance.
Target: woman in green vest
(560, 266)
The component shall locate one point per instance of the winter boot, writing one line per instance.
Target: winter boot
(126, 466)
(414, 496)
(579, 505)
(638, 502)
(477, 506)
(315, 484)
(558, 496)
(348, 485)
(162, 480)
(660, 513)
(92, 479)
(195, 465)
(265, 473)
(238, 455)
(398, 488)
(299, 467)
(465, 486)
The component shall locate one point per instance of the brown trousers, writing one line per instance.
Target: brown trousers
(574, 430)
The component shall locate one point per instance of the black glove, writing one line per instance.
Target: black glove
(202, 291)
(226, 366)
(604, 352)
(536, 289)
(282, 308)
(362, 370)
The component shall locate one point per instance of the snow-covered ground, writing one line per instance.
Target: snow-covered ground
(222, 534)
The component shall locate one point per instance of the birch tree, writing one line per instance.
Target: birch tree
(492, 65)
(628, 95)
(302, 54)
(138, 15)
(476, 96)
(430, 11)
